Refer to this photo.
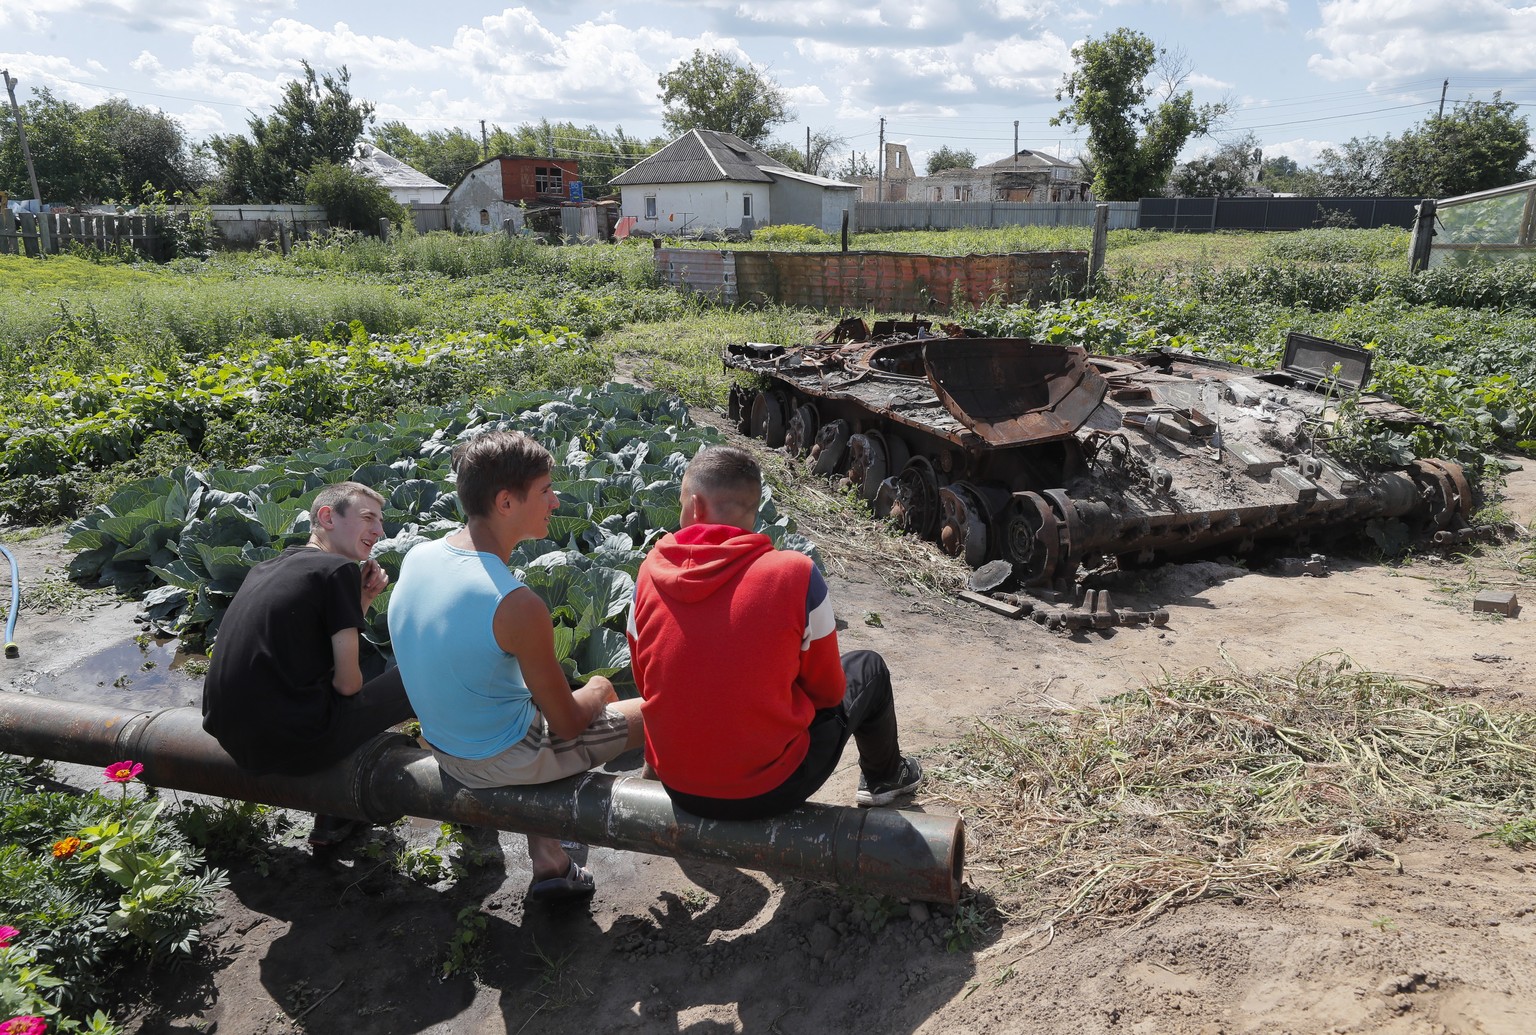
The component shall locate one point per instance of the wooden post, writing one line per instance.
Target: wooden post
(845, 230)
(384, 229)
(282, 238)
(1100, 242)
(26, 153)
(1423, 236)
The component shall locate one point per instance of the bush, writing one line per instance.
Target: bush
(90, 883)
(352, 201)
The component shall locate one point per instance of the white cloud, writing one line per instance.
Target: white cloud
(1386, 40)
(1303, 151)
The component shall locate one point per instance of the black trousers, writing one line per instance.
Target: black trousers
(354, 721)
(867, 714)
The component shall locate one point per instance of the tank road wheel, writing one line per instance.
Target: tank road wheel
(915, 505)
(801, 433)
(963, 527)
(770, 417)
(1445, 491)
(868, 464)
(739, 408)
(1031, 539)
(1070, 534)
(830, 448)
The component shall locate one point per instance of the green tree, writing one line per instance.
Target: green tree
(73, 158)
(1479, 145)
(822, 162)
(316, 121)
(601, 155)
(945, 158)
(351, 200)
(1284, 175)
(444, 155)
(712, 91)
(1229, 170)
(1132, 141)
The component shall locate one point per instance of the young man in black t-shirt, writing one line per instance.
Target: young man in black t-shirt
(285, 690)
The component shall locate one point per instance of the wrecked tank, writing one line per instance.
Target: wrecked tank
(1049, 458)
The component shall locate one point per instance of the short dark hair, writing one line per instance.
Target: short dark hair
(725, 471)
(495, 460)
(339, 496)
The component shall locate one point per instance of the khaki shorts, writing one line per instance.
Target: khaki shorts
(542, 757)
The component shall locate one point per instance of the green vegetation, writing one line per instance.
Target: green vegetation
(188, 539)
(1220, 785)
(89, 884)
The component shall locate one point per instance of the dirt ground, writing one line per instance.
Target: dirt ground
(344, 944)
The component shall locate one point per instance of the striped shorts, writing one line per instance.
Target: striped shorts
(542, 757)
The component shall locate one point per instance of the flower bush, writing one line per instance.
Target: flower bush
(89, 884)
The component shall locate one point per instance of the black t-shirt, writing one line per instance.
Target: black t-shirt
(268, 697)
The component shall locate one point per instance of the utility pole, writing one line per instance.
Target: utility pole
(808, 151)
(26, 154)
(485, 141)
(1015, 141)
(1443, 87)
(880, 190)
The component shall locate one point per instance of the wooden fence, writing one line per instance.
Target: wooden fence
(26, 233)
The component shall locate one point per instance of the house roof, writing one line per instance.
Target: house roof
(780, 172)
(1029, 159)
(391, 171)
(703, 156)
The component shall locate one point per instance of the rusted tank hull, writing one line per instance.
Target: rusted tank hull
(885, 851)
(1048, 457)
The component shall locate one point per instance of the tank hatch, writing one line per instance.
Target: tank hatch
(1011, 391)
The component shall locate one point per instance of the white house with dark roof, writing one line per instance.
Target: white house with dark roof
(710, 180)
(405, 184)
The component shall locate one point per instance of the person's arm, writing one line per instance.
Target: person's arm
(348, 677)
(821, 666)
(523, 629)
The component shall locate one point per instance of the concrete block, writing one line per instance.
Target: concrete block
(1497, 601)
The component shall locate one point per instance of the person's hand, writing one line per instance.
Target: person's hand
(374, 581)
(604, 688)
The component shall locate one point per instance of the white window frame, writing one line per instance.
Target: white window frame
(746, 206)
(650, 206)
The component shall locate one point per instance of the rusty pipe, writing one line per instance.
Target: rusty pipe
(885, 851)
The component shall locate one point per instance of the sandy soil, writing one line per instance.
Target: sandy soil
(343, 944)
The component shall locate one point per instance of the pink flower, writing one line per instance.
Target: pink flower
(6, 934)
(24, 1026)
(117, 772)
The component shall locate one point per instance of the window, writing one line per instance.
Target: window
(548, 180)
(650, 206)
(746, 206)
(485, 217)
(938, 194)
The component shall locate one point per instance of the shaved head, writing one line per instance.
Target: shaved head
(722, 485)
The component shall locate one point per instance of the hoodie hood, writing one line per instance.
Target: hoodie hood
(693, 563)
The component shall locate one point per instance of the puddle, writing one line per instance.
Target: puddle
(138, 674)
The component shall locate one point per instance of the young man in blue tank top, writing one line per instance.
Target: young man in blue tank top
(476, 650)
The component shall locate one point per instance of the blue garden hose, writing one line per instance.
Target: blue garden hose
(11, 650)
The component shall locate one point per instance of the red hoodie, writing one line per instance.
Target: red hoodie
(734, 649)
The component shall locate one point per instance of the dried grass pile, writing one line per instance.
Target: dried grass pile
(1225, 785)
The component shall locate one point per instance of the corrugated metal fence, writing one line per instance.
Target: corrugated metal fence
(946, 215)
(1274, 213)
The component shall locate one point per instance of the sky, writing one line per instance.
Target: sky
(1300, 76)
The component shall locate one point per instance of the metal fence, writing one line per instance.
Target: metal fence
(946, 215)
(1196, 214)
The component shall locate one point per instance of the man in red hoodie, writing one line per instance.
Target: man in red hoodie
(747, 704)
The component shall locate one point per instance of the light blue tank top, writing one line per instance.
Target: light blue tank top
(468, 693)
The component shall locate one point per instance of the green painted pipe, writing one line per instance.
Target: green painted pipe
(901, 853)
